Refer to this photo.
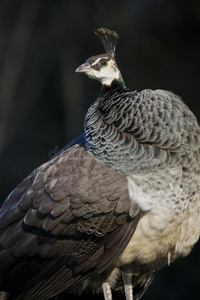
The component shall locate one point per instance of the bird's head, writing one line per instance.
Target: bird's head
(103, 67)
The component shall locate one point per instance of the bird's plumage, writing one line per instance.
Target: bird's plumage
(51, 222)
(115, 205)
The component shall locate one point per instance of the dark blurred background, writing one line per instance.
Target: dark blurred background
(43, 101)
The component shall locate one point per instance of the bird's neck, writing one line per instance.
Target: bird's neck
(104, 140)
(120, 83)
(108, 136)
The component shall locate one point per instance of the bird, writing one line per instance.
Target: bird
(114, 206)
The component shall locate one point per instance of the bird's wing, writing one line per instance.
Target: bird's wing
(69, 216)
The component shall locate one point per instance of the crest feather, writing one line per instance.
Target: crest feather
(109, 39)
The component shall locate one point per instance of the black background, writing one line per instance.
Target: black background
(43, 101)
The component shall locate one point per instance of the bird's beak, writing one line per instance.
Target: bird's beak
(83, 68)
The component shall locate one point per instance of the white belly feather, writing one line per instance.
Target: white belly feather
(170, 225)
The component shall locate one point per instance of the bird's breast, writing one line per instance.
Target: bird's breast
(148, 244)
(170, 225)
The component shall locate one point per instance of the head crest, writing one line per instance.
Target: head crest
(109, 39)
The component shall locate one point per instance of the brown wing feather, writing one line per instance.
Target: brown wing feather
(66, 218)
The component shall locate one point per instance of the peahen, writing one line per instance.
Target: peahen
(114, 206)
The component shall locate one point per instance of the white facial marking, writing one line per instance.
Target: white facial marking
(97, 60)
(106, 74)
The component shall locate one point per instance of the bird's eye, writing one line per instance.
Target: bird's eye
(103, 62)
